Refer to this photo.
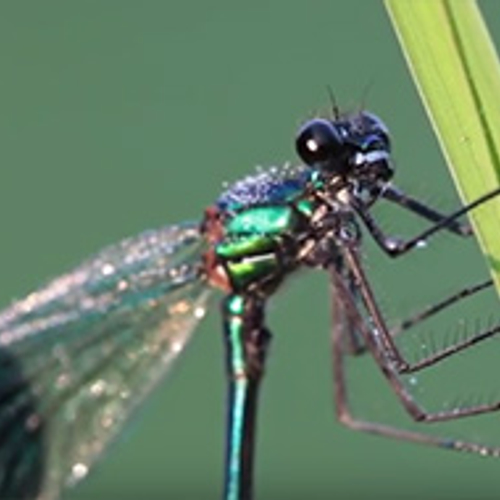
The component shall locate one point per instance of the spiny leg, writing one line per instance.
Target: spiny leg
(384, 350)
(402, 366)
(352, 341)
(396, 247)
(422, 209)
(357, 347)
(341, 319)
(247, 342)
(433, 309)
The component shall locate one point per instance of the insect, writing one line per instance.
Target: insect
(80, 354)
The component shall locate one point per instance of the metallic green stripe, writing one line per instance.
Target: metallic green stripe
(237, 359)
(241, 246)
(238, 395)
(236, 436)
(250, 270)
(262, 220)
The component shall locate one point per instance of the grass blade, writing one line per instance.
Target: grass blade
(455, 66)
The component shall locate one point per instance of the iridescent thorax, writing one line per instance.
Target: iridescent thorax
(252, 228)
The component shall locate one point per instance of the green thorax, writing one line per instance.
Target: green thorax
(260, 242)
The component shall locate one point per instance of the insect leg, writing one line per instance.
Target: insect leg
(396, 247)
(340, 324)
(383, 348)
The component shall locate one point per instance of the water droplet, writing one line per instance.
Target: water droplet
(199, 312)
(107, 269)
(79, 471)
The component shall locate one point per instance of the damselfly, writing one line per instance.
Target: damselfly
(80, 354)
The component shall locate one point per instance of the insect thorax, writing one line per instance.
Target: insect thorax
(257, 227)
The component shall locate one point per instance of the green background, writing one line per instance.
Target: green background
(118, 116)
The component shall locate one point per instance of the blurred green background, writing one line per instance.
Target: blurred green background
(118, 116)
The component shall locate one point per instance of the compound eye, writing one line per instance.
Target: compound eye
(318, 141)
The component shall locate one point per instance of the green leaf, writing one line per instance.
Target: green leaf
(455, 67)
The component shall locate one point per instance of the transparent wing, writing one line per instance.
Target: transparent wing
(78, 355)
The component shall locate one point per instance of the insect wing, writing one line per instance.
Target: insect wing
(78, 355)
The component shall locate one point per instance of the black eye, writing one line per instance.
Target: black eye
(318, 141)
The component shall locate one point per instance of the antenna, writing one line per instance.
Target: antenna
(333, 102)
(364, 94)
